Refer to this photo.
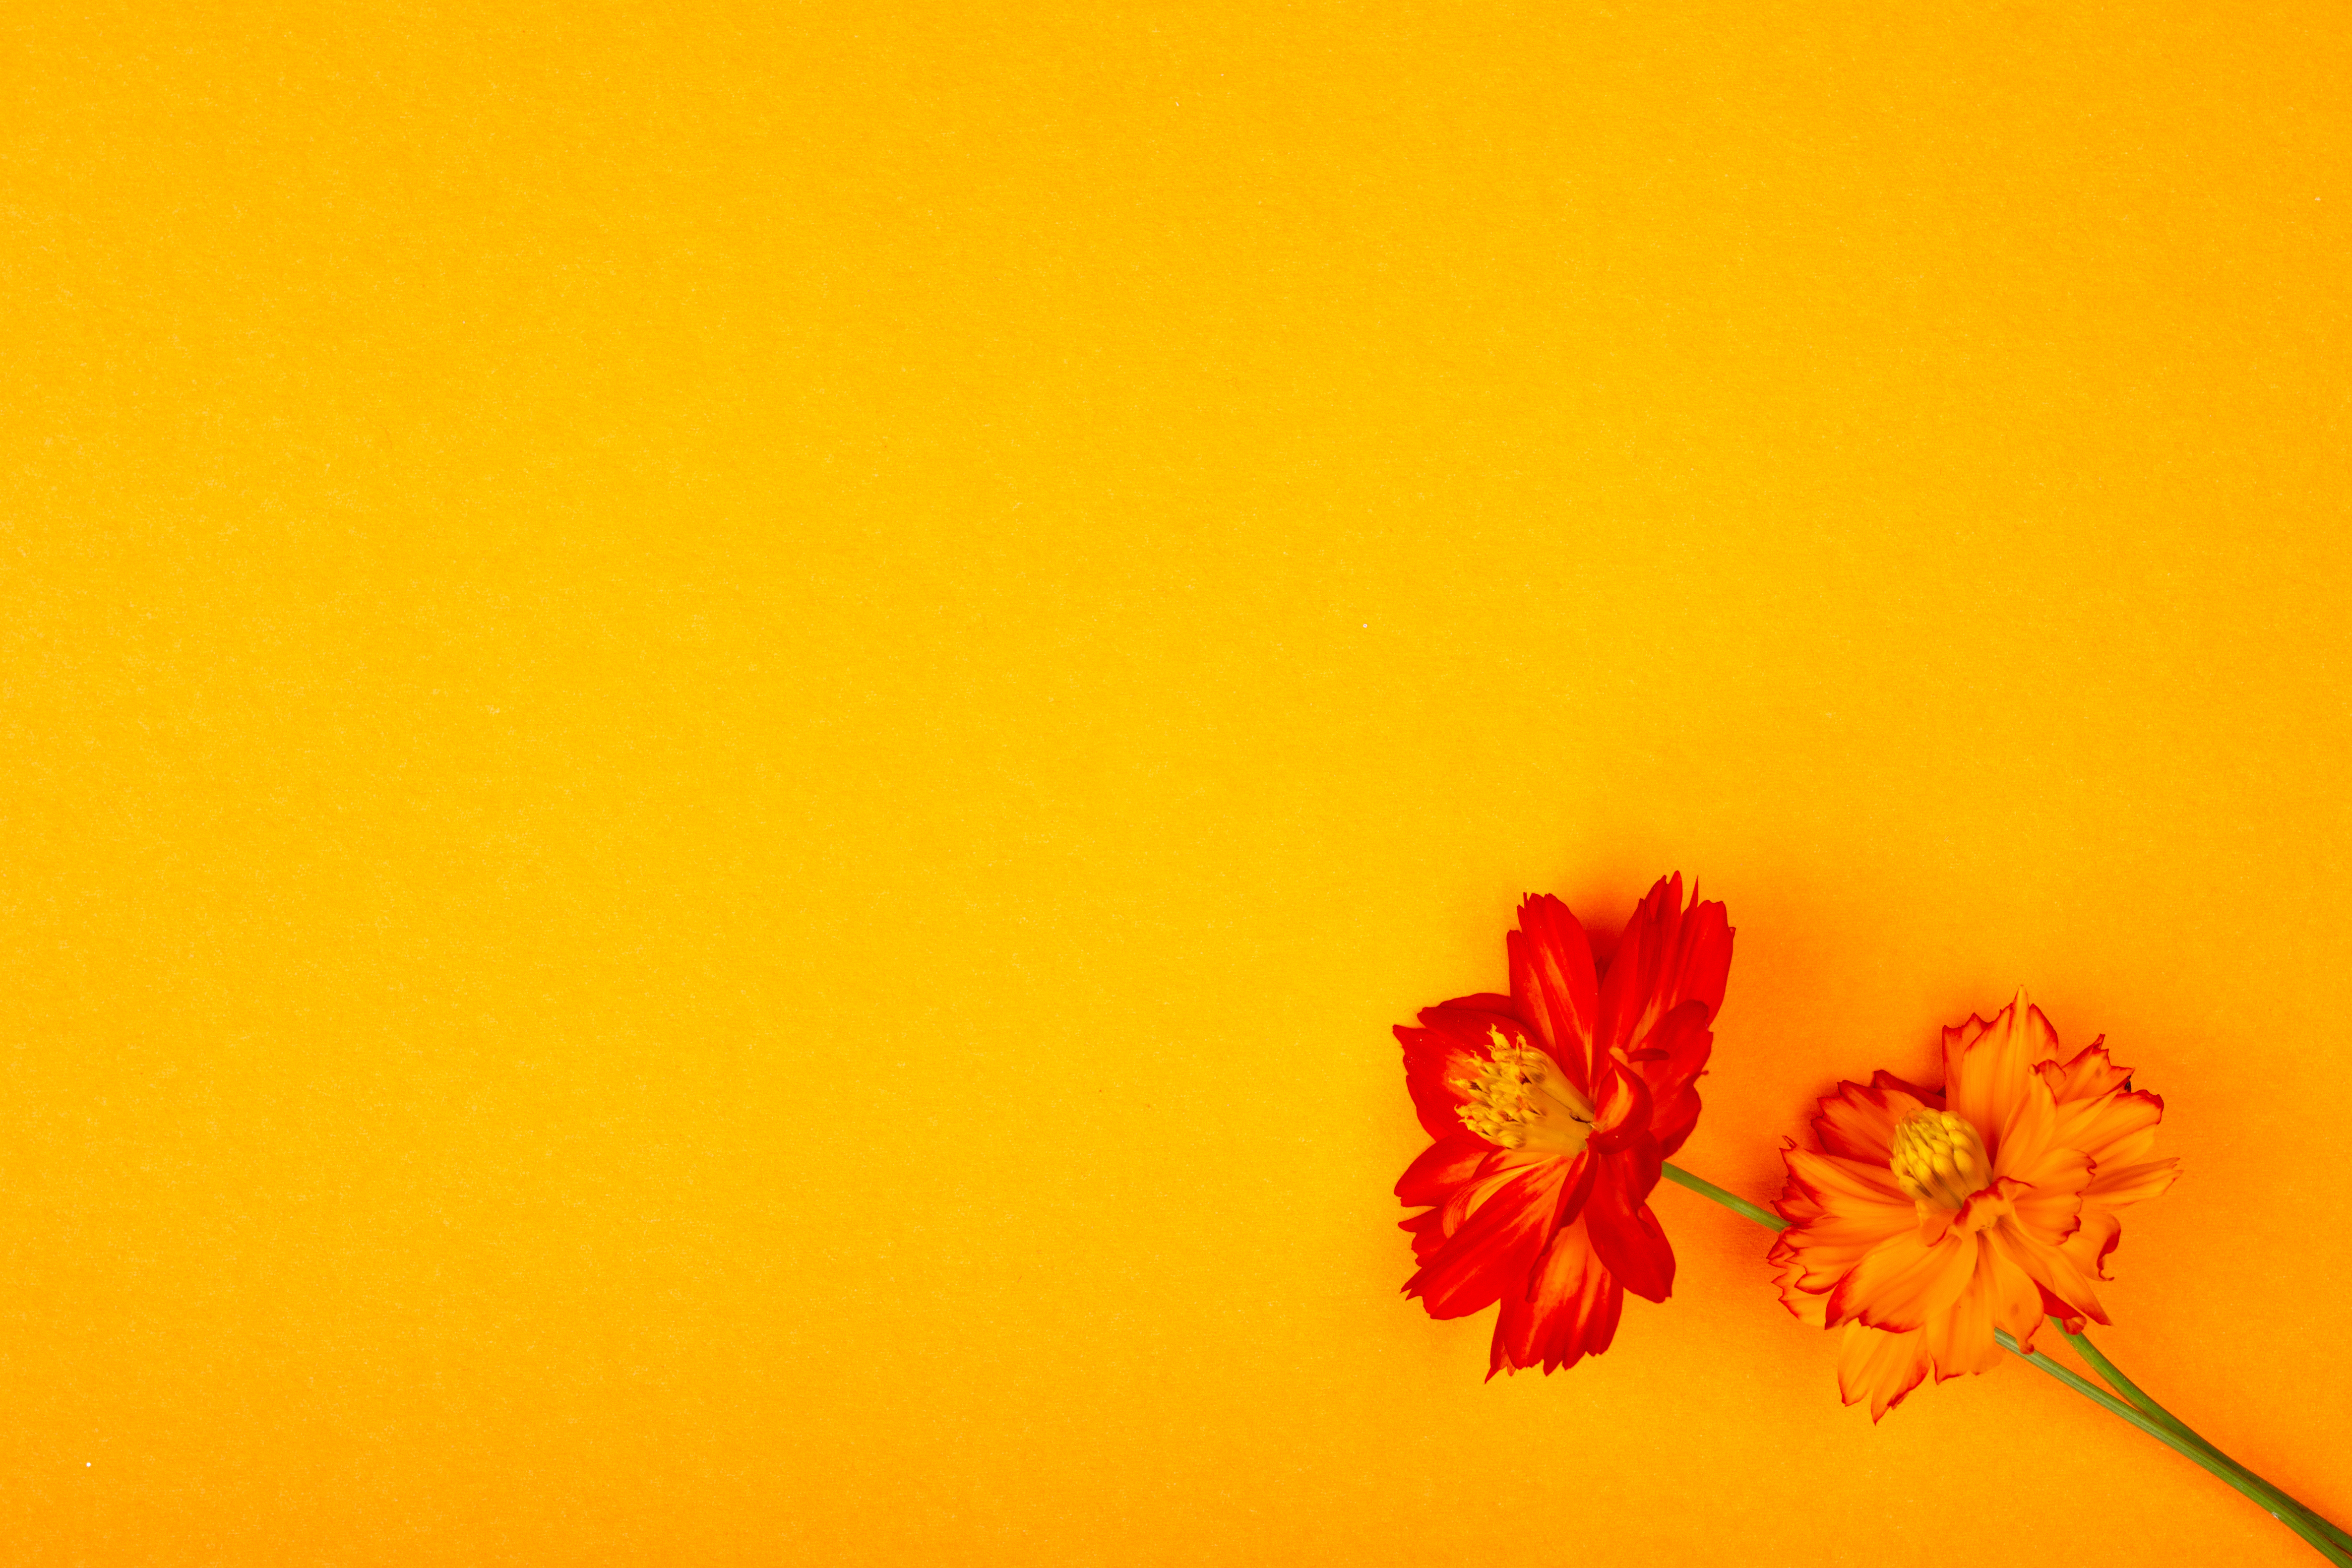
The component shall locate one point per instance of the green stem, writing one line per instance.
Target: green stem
(1706, 1188)
(2276, 1503)
(2138, 1396)
(2142, 1413)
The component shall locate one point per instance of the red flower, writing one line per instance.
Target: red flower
(1553, 1109)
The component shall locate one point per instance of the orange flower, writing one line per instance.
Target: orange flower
(1553, 1109)
(1932, 1218)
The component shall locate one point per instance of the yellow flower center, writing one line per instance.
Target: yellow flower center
(1521, 1100)
(1937, 1158)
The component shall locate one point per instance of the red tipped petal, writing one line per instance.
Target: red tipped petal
(1859, 1122)
(1880, 1367)
(1901, 1284)
(2051, 1269)
(1988, 1071)
(2113, 1188)
(2088, 1076)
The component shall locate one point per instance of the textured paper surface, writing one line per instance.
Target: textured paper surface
(729, 729)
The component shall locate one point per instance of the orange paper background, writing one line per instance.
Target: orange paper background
(729, 729)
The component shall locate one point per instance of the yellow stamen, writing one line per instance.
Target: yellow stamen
(1937, 1158)
(1521, 1100)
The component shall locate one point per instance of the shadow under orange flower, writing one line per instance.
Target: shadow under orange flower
(1930, 1219)
(1554, 1109)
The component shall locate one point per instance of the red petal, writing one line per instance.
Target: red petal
(1629, 1240)
(1451, 1043)
(1569, 1310)
(1622, 1117)
(1428, 1231)
(1494, 1246)
(2072, 1320)
(1668, 955)
(1552, 982)
(1443, 1166)
(1683, 1042)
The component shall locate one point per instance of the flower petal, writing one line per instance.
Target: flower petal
(1451, 1043)
(1667, 956)
(2051, 1269)
(1492, 1247)
(1621, 1116)
(1841, 1182)
(1880, 1366)
(2087, 1077)
(1553, 983)
(1858, 1123)
(2113, 1129)
(1987, 1071)
(1443, 1166)
(1568, 1310)
(1960, 1339)
(2051, 1211)
(2095, 1237)
(1901, 1284)
(1627, 1237)
(1809, 1307)
(1671, 1061)
(2113, 1188)
(1428, 1231)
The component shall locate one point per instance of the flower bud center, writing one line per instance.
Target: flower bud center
(1937, 1158)
(1521, 1100)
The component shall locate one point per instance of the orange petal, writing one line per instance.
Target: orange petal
(1960, 1339)
(2088, 1076)
(1859, 1122)
(2049, 1202)
(2115, 1130)
(2095, 1237)
(2051, 1269)
(2113, 1188)
(1879, 1366)
(1844, 1183)
(1986, 1071)
(1808, 1307)
(1899, 1284)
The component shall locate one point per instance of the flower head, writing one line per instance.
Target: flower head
(1931, 1218)
(1553, 1109)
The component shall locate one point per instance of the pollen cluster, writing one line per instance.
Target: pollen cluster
(1937, 1158)
(1521, 1100)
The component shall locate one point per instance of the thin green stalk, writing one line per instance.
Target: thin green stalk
(1706, 1188)
(2276, 1503)
(2138, 1396)
(2323, 1537)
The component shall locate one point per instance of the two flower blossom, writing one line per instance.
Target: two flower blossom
(1927, 1219)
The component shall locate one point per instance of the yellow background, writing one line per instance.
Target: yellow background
(729, 730)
